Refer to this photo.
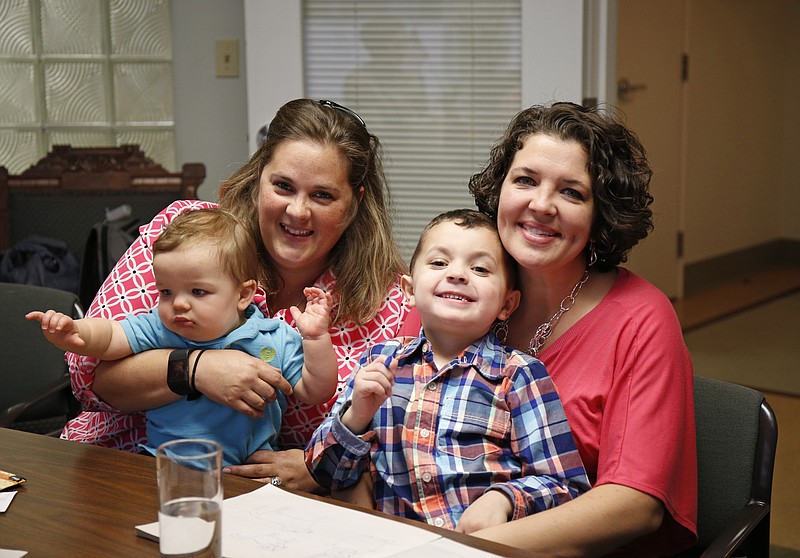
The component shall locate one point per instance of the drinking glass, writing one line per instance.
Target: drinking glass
(189, 475)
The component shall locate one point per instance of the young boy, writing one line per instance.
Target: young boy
(456, 429)
(205, 266)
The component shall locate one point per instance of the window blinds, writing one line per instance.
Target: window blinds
(435, 80)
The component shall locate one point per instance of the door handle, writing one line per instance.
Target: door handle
(625, 88)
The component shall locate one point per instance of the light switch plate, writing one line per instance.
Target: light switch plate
(227, 57)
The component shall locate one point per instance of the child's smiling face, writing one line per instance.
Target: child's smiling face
(460, 283)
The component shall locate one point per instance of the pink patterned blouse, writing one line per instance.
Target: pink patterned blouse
(130, 289)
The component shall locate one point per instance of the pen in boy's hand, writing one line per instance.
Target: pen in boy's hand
(389, 358)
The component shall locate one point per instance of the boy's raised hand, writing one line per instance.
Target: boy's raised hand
(315, 320)
(371, 387)
(59, 329)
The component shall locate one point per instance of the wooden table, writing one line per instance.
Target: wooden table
(84, 500)
(81, 500)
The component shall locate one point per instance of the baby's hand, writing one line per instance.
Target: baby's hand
(59, 329)
(315, 321)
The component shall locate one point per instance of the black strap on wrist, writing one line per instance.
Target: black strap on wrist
(194, 393)
(178, 372)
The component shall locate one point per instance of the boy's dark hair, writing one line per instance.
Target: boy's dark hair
(468, 219)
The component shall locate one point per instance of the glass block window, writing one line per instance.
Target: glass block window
(436, 80)
(85, 72)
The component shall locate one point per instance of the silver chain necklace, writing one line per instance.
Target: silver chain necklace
(546, 329)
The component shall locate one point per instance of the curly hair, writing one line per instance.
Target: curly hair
(366, 259)
(617, 165)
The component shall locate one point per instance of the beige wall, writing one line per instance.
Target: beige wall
(210, 111)
(743, 151)
(743, 96)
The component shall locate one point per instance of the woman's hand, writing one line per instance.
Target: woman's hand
(229, 377)
(289, 466)
(239, 381)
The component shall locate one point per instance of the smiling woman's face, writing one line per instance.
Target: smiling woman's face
(303, 204)
(546, 205)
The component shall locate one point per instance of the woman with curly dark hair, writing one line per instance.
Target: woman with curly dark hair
(568, 186)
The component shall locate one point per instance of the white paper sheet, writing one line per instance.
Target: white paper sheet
(270, 521)
(444, 548)
(5, 500)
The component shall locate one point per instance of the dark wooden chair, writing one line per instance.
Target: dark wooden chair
(67, 192)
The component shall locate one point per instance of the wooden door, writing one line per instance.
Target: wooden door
(650, 47)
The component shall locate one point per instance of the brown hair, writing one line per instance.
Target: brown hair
(366, 259)
(617, 165)
(219, 229)
(468, 219)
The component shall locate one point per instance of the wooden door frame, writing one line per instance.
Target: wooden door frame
(600, 86)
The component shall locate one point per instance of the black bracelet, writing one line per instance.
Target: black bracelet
(178, 372)
(195, 394)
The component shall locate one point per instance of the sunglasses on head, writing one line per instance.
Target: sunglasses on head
(261, 135)
(344, 109)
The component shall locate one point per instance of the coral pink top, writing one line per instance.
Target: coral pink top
(625, 378)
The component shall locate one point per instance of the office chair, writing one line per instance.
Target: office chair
(737, 435)
(35, 393)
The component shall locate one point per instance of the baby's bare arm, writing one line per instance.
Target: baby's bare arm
(104, 339)
(320, 367)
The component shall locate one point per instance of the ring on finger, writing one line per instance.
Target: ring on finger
(276, 481)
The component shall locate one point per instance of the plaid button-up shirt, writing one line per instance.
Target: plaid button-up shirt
(488, 420)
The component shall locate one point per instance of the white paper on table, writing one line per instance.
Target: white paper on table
(5, 500)
(444, 548)
(274, 522)
(6, 553)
